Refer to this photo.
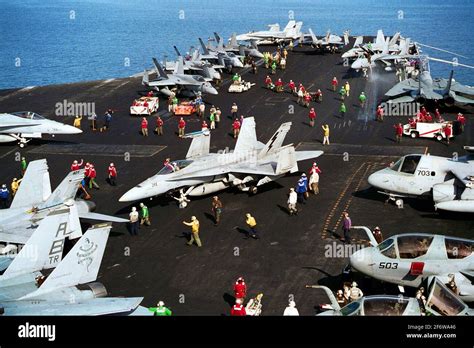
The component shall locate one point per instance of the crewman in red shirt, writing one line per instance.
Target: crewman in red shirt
(238, 310)
(144, 127)
(268, 82)
(428, 117)
(462, 121)
(181, 127)
(398, 132)
(92, 176)
(315, 169)
(204, 126)
(334, 83)
(112, 174)
(292, 87)
(240, 289)
(236, 128)
(279, 86)
(159, 126)
(312, 117)
(76, 165)
(448, 132)
(379, 113)
(437, 115)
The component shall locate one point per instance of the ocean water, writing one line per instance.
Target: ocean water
(60, 41)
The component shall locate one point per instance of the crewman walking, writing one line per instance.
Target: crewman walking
(144, 215)
(343, 110)
(4, 197)
(334, 83)
(252, 224)
(216, 209)
(292, 200)
(112, 172)
(325, 134)
(194, 223)
(312, 117)
(134, 223)
(236, 128)
(92, 176)
(346, 227)
(362, 99)
(23, 165)
(15, 185)
(398, 132)
(234, 109)
(347, 87)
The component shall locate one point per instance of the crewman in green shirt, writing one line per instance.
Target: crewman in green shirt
(160, 310)
(23, 165)
(362, 99)
(144, 215)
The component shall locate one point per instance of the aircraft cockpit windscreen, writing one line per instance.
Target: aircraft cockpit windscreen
(396, 166)
(28, 115)
(199, 78)
(443, 301)
(411, 247)
(387, 248)
(174, 166)
(458, 248)
(385, 306)
(352, 308)
(410, 163)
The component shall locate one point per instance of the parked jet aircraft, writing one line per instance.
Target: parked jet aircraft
(197, 66)
(448, 181)
(25, 290)
(220, 55)
(26, 125)
(34, 201)
(251, 50)
(440, 302)
(327, 41)
(410, 259)
(424, 88)
(378, 46)
(202, 172)
(190, 84)
(292, 31)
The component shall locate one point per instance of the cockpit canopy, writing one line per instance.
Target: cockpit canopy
(377, 305)
(174, 166)
(406, 164)
(408, 246)
(28, 115)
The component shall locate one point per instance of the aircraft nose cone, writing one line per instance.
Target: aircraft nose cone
(362, 261)
(131, 195)
(67, 129)
(379, 180)
(238, 63)
(357, 64)
(257, 54)
(209, 90)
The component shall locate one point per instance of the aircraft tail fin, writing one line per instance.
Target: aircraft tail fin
(450, 82)
(35, 186)
(44, 248)
(385, 47)
(346, 37)
(179, 67)
(294, 31)
(200, 146)
(359, 41)
(334, 304)
(290, 25)
(66, 190)
(286, 160)
(81, 264)
(313, 36)
(394, 39)
(379, 41)
(275, 141)
(159, 69)
(145, 78)
(247, 140)
(204, 48)
(233, 40)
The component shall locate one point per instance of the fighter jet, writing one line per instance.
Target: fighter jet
(187, 84)
(34, 201)
(424, 88)
(440, 302)
(328, 41)
(243, 50)
(292, 31)
(196, 65)
(219, 54)
(26, 288)
(448, 181)
(26, 125)
(251, 163)
(412, 258)
(376, 47)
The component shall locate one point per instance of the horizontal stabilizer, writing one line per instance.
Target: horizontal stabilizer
(286, 160)
(100, 217)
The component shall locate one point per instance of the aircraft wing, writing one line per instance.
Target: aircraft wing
(460, 88)
(403, 87)
(35, 186)
(11, 121)
(92, 307)
(404, 99)
(100, 217)
(16, 234)
(462, 172)
(263, 169)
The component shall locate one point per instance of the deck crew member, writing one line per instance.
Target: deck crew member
(159, 126)
(144, 215)
(112, 171)
(144, 127)
(194, 223)
(134, 223)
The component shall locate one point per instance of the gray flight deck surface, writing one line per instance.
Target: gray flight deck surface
(291, 253)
